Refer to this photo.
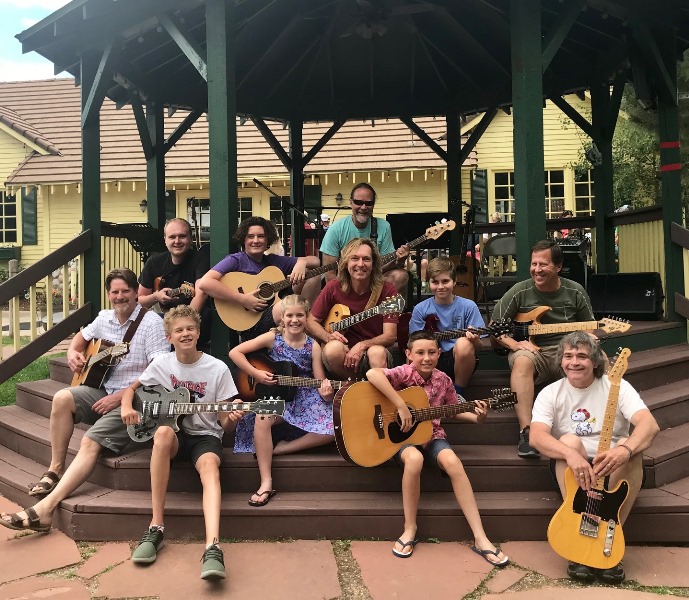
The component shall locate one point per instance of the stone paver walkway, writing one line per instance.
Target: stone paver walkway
(52, 566)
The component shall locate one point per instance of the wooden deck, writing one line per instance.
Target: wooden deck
(321, 495)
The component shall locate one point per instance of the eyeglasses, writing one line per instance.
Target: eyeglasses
(363, 202)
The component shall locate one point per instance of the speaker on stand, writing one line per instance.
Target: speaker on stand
(574, 264)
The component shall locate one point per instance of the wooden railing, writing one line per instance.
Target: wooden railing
(116, 252)
(680, 236)
(29, 282)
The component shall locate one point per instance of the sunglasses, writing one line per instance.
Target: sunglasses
(363, 202)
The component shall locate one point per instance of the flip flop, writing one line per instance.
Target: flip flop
(484, 555)
(268, 496)
(411, 544)
(17, 523)
(44, 487)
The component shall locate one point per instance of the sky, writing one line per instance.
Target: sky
(15, 17)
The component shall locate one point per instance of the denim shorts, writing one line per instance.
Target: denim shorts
(430, 453)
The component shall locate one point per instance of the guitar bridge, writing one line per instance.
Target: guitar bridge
(589, 525)
(378, 422)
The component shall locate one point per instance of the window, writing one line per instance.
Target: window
(245, 208)
(504, 194)
(584, 197)
(554, 193)
(8, 218)
(281, 218)
(199, 214)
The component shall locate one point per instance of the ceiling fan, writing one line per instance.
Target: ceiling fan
(373, 17)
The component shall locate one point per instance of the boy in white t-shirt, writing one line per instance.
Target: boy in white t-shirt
(199, 438)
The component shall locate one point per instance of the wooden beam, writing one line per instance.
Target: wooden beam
(327, 136)
(155, 165)
(476, 134)
(430, 59)
(182, 128)
(615, 101)
(647, 44)
(102, 79)
(425, 138)
(272, 141)
(294, 63)
(454, 179)
(296, 185)
(573, 114)
(558, 32)
(451, 62)
(192, 50)
(141, 125)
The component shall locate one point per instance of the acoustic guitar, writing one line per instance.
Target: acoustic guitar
(271, 280)
(186, 289)
(283, 371)
(367, 427)
(527, 325)
(156, 406)
(101, 356)
(340, 318)
(586, 529)
(467, 267)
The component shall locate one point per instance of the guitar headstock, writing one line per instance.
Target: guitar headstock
(620, 367)
(501, 327)
(435, 231)
(269, 406)
(614, 325)
(501, 399)
(187, 290)
(392, 305)
(119, 350)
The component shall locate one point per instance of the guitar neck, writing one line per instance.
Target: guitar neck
(387, 258)
(308, 382)
(438, 412)
(285, 283)
(357, 318)
(102, 354)
(608, 425)
(192, 408)
(542, 329)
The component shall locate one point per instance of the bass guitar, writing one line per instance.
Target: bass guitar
(526, 325)
(367, 427)
(101, 356)
(271, 280)
(156, 406)
(186, 289)
(340, 318)
(283, 372)
(586, 529)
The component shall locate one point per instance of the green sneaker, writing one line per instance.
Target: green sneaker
(213, 566)
(147, 550)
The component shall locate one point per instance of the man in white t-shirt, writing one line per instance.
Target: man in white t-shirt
(566, 426)
(199, 438)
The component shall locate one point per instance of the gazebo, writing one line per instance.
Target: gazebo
(305, 60)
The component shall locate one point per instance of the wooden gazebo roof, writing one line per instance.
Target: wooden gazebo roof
(327, 60)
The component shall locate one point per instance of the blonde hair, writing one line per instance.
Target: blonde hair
(179, 312)
(292, 300)
(352, 246)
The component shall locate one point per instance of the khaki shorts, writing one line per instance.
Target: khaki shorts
(106, 430)
(545, 363)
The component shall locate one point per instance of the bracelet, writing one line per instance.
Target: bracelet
(628, 449)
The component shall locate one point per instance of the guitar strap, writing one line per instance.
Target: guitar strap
(374, 229)
(131, 330)
(374, 297)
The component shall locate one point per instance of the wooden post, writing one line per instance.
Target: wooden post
(296, 186)
(155, 166)
(454, 180)
(527, 99)
(222, 141)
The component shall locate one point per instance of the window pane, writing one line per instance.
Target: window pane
(557, 191)
(11, 237)
(501, 179)
(502, 193)
(557, 176)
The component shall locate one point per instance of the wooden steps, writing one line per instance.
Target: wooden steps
(321, 495)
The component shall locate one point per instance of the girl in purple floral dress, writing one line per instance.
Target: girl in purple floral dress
(309, 414)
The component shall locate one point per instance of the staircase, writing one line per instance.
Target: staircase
(322, 496)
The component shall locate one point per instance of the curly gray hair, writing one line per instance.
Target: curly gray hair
(576, 340)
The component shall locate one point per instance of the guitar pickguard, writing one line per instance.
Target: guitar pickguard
(606, 504)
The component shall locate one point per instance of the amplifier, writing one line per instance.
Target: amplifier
(574, 245)
(636, 296)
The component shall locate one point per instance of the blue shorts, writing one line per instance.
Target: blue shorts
(430, 453)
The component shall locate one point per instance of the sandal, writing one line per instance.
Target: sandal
(44, 487)
(17, 523)
(411, 545)
(485, 553)
(268, 496)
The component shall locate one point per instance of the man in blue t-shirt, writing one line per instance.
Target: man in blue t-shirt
(362, 200)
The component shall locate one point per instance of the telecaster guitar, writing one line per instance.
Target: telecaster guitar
(339, 318)
(586, 529)
(287, 382)
(157, 406)
(186, 289)
(100, 356)
(367, 429)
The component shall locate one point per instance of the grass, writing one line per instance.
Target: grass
(39, 369)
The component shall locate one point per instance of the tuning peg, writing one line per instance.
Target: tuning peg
(443, 220)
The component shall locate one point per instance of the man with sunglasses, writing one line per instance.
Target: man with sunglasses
(362, 224)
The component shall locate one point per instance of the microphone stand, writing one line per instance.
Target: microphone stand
(288, 202)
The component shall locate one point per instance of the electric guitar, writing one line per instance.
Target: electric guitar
(526, 325)
(495, 329)
(186, 289)
(101, 356)
(586, 529)
(367, 428)
(283, 370)
(157, 406)
(340, 318)
(271, 280)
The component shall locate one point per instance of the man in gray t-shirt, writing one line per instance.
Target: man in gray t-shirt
(531, 363)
